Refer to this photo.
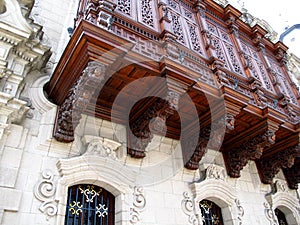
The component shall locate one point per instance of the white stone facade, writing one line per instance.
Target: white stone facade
(36, 170)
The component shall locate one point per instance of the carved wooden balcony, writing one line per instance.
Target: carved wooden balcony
(195, 66)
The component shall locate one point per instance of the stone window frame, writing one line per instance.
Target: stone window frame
(285, 201)
(222, 194)
(100, 171)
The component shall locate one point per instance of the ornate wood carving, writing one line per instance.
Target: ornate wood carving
(97, 12)
(251, 149)
(292, 174)
(69, 113)
(193, 162)
(153, 120)
(210, 137)
(270, 166)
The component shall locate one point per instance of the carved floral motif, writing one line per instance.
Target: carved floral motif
(194, 38)
(173, 4)
(233, 59)
(219, 50)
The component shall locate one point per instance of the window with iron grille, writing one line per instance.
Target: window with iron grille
(280, 217)
(211, 213)
(89, 205)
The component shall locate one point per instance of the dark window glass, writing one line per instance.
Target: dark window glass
(89, 205)
(280, 217)
(211, 213)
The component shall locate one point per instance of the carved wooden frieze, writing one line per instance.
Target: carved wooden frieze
(270, 166)
(251, 149)
(69, 113)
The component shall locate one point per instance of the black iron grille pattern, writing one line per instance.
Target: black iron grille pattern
(89, 205)
(280, 217)
(211, 213)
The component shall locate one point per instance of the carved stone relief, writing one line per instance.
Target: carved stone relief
(188, 207)
(213, 186)
(44, 191)
(281, 196)
(215, 172)
(100, 146)
(240, 211)
(139, 204)
(270, 214)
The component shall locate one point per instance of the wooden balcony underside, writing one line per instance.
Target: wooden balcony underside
(106, 76)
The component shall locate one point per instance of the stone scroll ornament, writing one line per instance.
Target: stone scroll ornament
(188, 207)
(139, 203)
(270, 214)
(44, 191)
(240, 211)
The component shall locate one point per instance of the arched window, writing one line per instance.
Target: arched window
(280, 217)
(89, 205)
(211, 213)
